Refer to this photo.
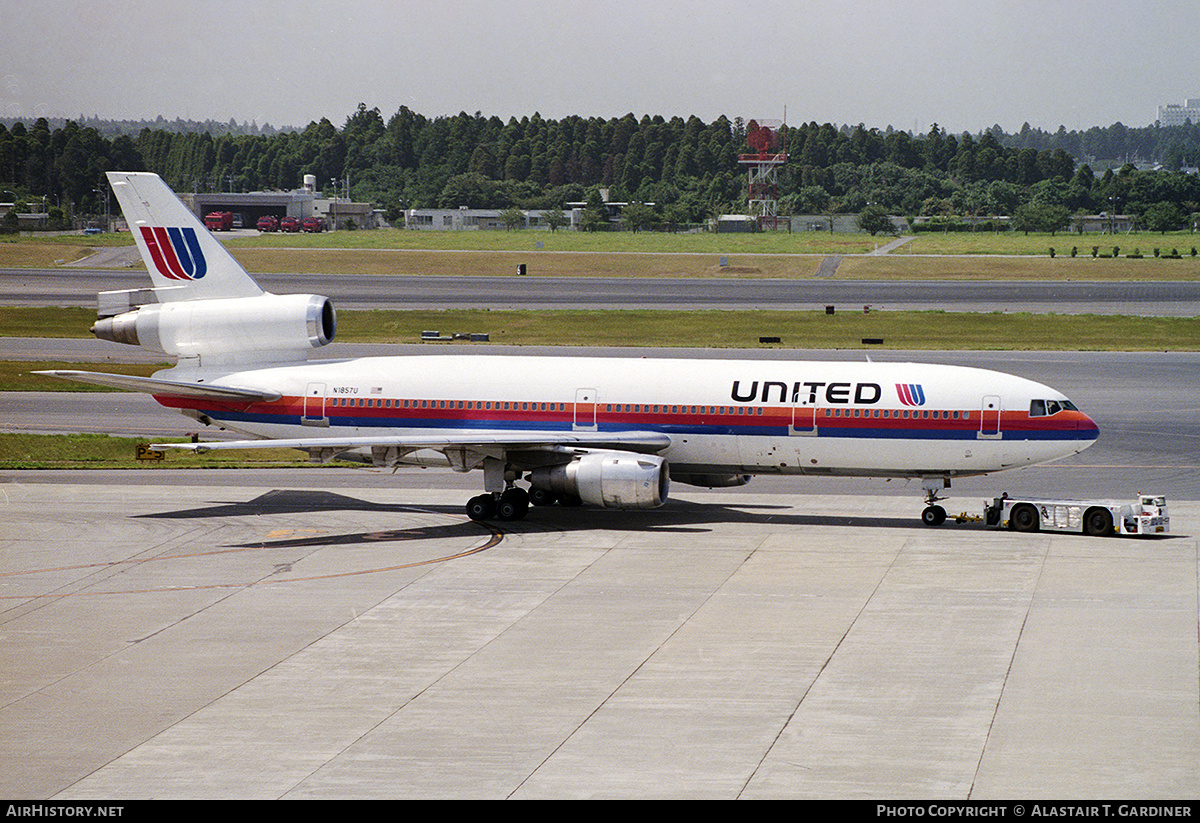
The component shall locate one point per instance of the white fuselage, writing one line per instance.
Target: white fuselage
(722, 416)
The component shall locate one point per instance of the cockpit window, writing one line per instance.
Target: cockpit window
(1044, 408)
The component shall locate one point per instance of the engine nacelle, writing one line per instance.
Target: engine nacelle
(267, 326)
(712, 481)
(614, 480)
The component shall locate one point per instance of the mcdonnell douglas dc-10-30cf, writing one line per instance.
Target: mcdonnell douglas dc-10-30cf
(609, 432)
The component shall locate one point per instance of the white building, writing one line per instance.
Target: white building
(1177, 115)
(465, 219)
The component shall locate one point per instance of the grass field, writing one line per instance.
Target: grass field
(796, 329)
(743, 264)
(1015, 268)
(99, 451)
(17, 375)
(279, 252)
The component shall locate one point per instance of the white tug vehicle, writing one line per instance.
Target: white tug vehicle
(1099, 518)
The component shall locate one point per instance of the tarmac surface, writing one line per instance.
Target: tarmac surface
(346, 634)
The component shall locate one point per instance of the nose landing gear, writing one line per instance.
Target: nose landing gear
(933, 515)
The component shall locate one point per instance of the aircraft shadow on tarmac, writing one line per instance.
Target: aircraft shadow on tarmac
(677, 516)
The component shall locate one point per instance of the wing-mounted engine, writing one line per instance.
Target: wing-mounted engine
(263, 328)
(614, 480)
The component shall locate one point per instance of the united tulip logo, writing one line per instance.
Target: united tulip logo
(911, 394)
(175, 252)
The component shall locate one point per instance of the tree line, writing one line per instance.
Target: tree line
(687, 168)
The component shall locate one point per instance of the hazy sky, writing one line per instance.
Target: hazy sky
(964, 64)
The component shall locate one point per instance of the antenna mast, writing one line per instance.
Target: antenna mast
(767, 154)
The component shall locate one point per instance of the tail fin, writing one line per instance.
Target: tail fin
(184, 260)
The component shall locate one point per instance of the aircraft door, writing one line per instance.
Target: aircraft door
(314, 405)
(804, 420)
(585, 410)
(989, 421)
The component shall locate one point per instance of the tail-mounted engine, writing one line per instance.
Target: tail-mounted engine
(614, 480)
(262, 328)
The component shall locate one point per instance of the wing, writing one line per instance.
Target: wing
(464, 450)
(482, 441)
(166, 388)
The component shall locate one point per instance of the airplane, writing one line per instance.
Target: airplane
(608, 432)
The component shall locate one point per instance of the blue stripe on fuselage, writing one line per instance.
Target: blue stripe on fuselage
(680, 429)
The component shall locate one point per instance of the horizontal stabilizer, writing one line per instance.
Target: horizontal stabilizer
(165, 388)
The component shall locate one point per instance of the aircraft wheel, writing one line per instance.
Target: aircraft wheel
(542, 497)
(1023, 518)
(513, 504)
(933, 516)
(481, 507)
(1098, 522)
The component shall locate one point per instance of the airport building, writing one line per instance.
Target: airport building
(1177, 115)
(248, 207)
(464, 219)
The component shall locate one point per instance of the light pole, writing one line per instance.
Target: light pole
(104, 193)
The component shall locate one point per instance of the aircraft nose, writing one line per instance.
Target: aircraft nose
(1087, 428)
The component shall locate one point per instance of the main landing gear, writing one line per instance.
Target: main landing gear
(513, 503)
(510, 504)
(933, 514)
(502, 500)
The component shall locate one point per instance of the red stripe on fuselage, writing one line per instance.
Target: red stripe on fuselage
(461, 414)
